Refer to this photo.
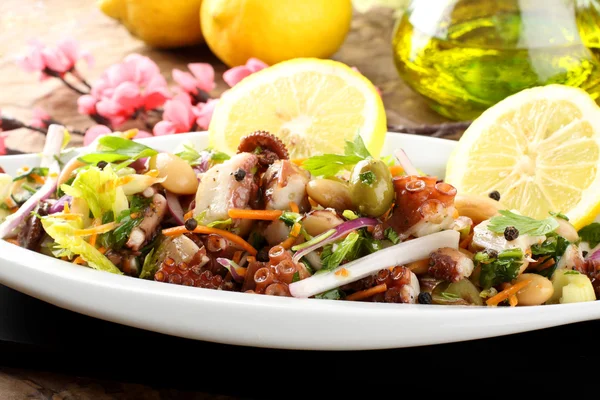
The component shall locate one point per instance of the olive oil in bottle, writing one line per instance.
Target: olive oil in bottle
(466, 55)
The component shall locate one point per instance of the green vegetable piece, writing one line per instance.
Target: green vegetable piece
(290, 218)
(554, 246)
(590, 234)
(63, 235)
(371, 187)
(114, 148)
(36, 170)
(331, 164)
(525, 225)
(332, 257)
(494, 270)
(559, 215)
(457, 293)
(333, 294)
(571, 288)
(391, 235)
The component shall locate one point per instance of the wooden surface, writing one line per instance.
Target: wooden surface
(367, 47)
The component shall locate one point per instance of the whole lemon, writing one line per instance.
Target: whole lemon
(274, 30)
(159, 23)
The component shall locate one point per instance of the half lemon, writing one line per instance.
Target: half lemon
(312, 105)
(539, 148)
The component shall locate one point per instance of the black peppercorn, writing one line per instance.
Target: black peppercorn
(102, 164)
(511, 233)
(239, 174)
(424, 298)
(584, 253)
(491, 253)
(495, 195)
(191, 224)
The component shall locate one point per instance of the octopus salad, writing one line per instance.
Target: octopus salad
(350, 227)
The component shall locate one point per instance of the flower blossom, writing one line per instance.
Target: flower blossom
(101, 130)
(53, 60)
(40, 118)
(124, 89)
(180, 116)
(201, 79)
(234, 75)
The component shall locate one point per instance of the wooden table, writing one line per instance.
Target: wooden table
(367, 47)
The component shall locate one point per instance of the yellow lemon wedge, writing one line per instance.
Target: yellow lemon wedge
(540, 149)
(312, 105)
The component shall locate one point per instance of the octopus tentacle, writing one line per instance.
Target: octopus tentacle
(271, 147)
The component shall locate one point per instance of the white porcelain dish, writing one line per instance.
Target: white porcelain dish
(266, 321)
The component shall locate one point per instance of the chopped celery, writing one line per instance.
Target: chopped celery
(571, 287)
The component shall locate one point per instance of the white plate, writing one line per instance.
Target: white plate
(266, 321)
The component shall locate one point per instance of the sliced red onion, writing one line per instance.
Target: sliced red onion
(59, 205)
(175, 207)
(405, 162)
(232, 267)
(139, 165)
(331, 236)
(594, 256)
(52, 148)
(399, 254)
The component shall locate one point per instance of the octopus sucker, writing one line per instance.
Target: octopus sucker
(271, 148)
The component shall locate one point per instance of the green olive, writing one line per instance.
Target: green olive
(371, 187)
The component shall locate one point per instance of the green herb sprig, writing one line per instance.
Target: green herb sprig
(331, 164)
(525, 225)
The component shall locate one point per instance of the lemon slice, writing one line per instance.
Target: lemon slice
(539, 148)
(312, 105)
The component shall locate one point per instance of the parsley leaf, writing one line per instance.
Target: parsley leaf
(114, 148)
(189, 154)
(334, 254)
(331, 164)
(391, 235)
(495, 270)
(590, 234)
(296, 277)
(367, 178)
(554, 246)
(333, 294)
(290, 218)
(525, 225)
(193, 157)
(128, 220)
(220, 224)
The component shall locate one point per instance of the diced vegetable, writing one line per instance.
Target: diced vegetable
(571, 287)
(449, 293)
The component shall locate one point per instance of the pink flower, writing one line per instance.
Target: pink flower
(2, 146)
(201, 78)
(101, 130)
(204, 112)
(86, 104)
(178, 117)
(40, 118)
(59, 60)
(234, 75)
(93, 132)
(126, 88)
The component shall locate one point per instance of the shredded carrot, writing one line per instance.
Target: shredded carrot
(513, 301)
(102, 250)
(124, 180)
(153, 173)
(10, 202)
(363, 294)
(134, 215)
(180, 230)
(289, 242)
(396, 170)
(296, 230)
(251, 259)
(294, 207)
(466, 241)
(266, 215)
(545, 264)
(237, 256)
(71, 216)
(38, 179)
(342, 272)
(298, 161)
(188, 215)
(13, 241)
(96, 229)
(67, 209)
(506, 293)
(78, 260)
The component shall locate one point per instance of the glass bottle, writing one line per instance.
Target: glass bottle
(466, 55)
